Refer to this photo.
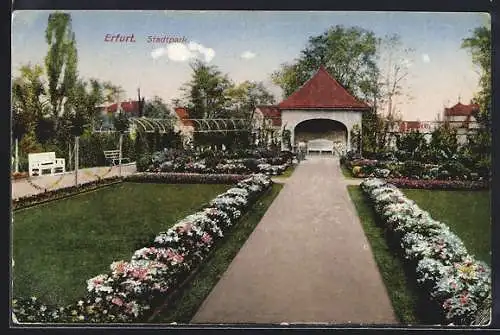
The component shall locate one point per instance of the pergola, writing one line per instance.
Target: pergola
(219, 125)
(151, 125)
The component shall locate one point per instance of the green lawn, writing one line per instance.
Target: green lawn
(401, 290)
(467, 213)
(59, 245)
(183, 308)
(346, 172)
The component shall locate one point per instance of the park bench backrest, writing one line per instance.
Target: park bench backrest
(320, 144)
(112, 154)
(42, 158)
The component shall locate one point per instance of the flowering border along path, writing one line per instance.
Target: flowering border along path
(132, 290)
(458, 283)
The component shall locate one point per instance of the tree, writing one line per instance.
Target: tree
(86, 98)
(444, 143)
(348, 54)
(412, 146)
(394, 63)
(206, 92)
(29, 103)
(112, 93)
(479, 143)
(246, 96)
(157, 108)
(60, 63)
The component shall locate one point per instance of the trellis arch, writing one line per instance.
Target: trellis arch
(205, 125)
(150, 125)
(219, 125)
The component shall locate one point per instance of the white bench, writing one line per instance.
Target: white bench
(45, 163)
(113, 156)
(320, 145)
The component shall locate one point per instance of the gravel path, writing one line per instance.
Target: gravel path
(22, 187)
(308, 260)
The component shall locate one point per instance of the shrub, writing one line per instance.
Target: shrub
(287, 155)
(251, 164)
(212, 160)
(456, 169)
(144, 163)
(367, 169)
(412, 169)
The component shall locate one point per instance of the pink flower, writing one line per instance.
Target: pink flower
(97, 281)
(117, 301)
(139, 273)
(206, 238)
(178, 258)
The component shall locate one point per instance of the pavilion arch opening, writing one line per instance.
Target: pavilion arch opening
(322, 129)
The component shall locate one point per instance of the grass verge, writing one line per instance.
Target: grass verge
(59, 245)
(467, 213)
(402, 292)
(346, 172)
(184, 307)
(288, 172)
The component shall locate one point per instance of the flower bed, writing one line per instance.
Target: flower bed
(414, 174)
(459, 284)
(184, 178)
(35, 199)
(216, 163)
(227, 167)
(439, 184)
(132, 290)
(19, 175)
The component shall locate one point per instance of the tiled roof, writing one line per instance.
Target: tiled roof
(126, 106)
(461, 110)
(273, 113)
(409, 126)
(183, 115)
(322, 91)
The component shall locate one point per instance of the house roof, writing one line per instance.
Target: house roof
(183, 115)
(126, 106)
(322, 91)
(461, 110)
(405, 126)
(273, 113)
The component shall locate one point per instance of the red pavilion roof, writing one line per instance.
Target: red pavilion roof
(322, 91)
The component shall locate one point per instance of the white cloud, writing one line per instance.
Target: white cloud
(248, 55)
(426, 58)
(181, 52)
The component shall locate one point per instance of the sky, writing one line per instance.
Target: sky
(250, 45)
